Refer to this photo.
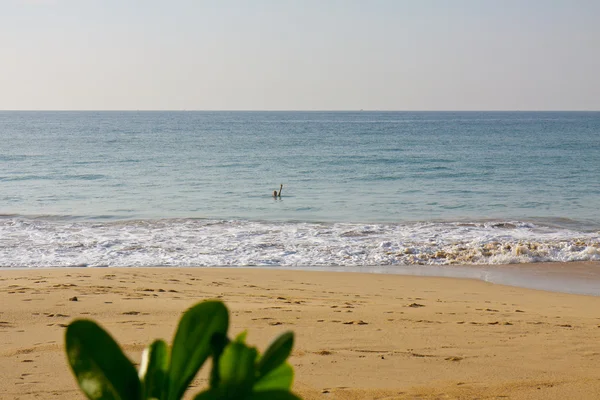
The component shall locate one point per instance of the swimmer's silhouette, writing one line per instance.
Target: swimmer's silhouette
(275, 194)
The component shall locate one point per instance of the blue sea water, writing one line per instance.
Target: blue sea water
(360, 188)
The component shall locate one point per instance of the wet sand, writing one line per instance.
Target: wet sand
(358, 335)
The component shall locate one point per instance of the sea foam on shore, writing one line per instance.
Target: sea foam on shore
(63, 242)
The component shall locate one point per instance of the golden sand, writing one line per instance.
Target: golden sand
(358, 336)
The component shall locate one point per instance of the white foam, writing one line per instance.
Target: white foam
(51, 242)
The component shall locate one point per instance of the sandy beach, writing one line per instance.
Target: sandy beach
(358, 336)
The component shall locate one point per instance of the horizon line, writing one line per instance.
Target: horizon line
(287, 110)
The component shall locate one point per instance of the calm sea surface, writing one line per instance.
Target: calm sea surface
(360, 188)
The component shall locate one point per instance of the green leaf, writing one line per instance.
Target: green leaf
(241, 337)
(154, 370)
(191, 345)
(276, 354)
(280, 378)
(100, 367)
(236, 368)
(216, 394)
(217, 345)
(209, 394)
(272, 395)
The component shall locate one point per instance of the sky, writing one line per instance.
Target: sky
(299, 55)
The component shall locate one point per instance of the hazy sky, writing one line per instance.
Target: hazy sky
(300, 54)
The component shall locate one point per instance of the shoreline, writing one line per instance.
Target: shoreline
(575, 277)
(358, 335)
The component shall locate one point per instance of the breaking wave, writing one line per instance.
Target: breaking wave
(58, 242)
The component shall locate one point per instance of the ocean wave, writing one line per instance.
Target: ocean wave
(54, 242)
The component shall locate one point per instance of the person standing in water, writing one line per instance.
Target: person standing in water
(275, 194)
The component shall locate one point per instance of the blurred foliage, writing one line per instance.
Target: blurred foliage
(238, 370)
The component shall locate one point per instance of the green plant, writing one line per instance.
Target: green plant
(238, 371)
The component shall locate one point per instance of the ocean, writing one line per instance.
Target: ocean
(360, 189)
